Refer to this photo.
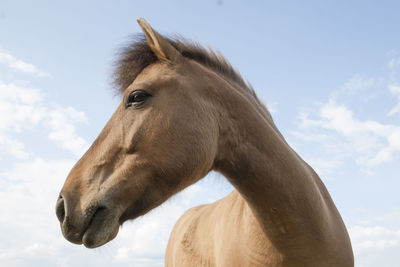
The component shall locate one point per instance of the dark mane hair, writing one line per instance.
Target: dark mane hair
(138, 55)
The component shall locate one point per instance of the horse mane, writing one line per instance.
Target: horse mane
(138, 55)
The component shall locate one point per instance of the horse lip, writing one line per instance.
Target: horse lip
(74, 236)
(99, 226)
(92, 217)
(70, 233)
(99, 209)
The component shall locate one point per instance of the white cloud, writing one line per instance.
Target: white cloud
(372, 142)
(29, 187)
(375, 245)
(358, 83)
(143, 242)
(19, 65)
(395, 90)
(394, 83)
(346, 135)
(18, 106)
(61, 123)
(13, 147)
(394, 63)
(24, 107)
(367, 239)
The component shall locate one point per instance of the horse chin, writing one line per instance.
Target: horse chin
(137, 209)
(102, 229)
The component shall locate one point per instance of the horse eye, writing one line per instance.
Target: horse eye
(136, 98)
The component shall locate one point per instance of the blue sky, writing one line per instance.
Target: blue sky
(328, 70)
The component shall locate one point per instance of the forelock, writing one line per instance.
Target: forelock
(136, 56)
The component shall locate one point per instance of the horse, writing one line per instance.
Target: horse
(184, 112)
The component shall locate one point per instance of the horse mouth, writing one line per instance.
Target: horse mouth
(100, 228)
(100, 224)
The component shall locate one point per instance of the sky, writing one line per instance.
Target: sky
(329, 71)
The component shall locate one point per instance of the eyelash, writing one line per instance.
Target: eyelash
(137, 98)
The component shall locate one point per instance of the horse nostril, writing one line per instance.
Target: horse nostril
(60, 209)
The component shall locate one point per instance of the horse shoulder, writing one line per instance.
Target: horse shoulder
(217, 234)
(187, 246)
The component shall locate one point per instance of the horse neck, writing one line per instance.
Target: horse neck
(285, 195)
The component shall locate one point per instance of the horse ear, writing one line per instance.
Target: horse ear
(160, 46)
